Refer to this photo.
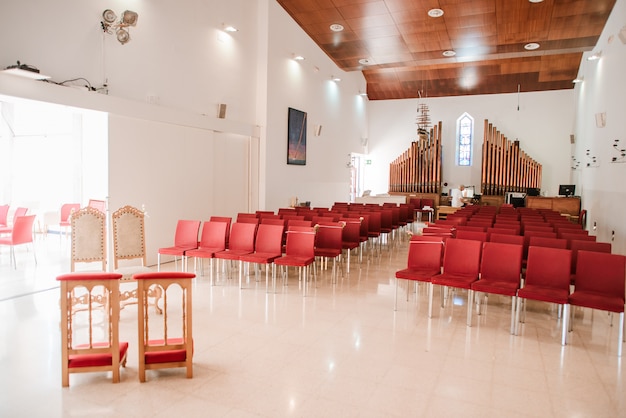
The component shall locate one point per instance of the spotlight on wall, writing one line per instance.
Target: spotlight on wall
(335, 79)
(621, 158)
(110, 24)
(297, 57)
(593, 161)
(229, 28)
(595, 56)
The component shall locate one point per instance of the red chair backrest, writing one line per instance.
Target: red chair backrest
(242, 236)
(548, 267)
(23, 229)
(186, 233)
(601, 273)
(462, 256)
(213, 235)
(507, 238)
(300, 244)
(501, 262)
(329, 236)
(473, 235)
(427, 255)
(577, 245)
(4, 211)
(66, 211)
(269, 239)
(547, 242)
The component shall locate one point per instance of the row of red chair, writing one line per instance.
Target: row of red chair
(496, 268)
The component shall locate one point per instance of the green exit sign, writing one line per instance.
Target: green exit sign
(368, 162)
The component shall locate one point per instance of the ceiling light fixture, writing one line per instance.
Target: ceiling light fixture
(366, 61)
(448, 53)
(595, 56)
(535, 1)
(120, 28)
(336, 27)
(531, 46)
(229, 28)
(25, 70)
(435, 13)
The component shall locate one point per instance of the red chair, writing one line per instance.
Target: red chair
(473, 235)
(547, 242)
(424, 261)
(212, 240)
(500, 273)
(18, 212)
(329, 244)
(21, 233)
(300, 253)
(461, 266)
(101, 205)
(168, 341)
(600, 285)
(240, 242)
(350, 237)
(577, 245)
(90, 343)
(66, 211)
(4, 212)
(578, 237)
(267, 248)
(185, 239)
(547, 279)
(228, 221)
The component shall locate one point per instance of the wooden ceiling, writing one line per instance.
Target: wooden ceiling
(405, 46)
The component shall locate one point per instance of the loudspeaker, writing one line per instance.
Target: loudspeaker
(221, 111)
(318, 130)
(572, 139)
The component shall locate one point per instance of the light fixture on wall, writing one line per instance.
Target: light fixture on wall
(297, 57)
(575, 163)
(622, 153)
(595, 56)
(229, 28)
(25, 70)
(593, 160)
(335, 78)
(111, 25)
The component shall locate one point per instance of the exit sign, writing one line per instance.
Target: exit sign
(368, 162)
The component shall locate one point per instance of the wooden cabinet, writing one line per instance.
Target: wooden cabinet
(565, 205)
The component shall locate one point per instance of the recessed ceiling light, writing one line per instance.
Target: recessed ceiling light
(435, 13)
(365, 61)
(535, 1)
(531, 46)
(336, 27)
(449, 53)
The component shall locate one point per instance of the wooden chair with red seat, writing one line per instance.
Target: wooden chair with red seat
(240, 242)
(300, 253)
(90, 343)
(329, 244)
(461, 266)
(21, 234)
(500, 273)
(163, 344)
(600, 285)
(267, 248)
(547, 279)
(424, 261)
(212, 240)
(67, 210)
(185, 239)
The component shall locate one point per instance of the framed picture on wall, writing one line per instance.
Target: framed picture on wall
(296, 137)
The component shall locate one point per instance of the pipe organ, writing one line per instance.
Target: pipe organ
(505, 167)
(418, 169)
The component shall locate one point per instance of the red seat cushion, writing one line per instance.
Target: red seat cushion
(166, 356)
(599, 301)
(420, 275)
(545, 294)
(495, 287)
(95, 360)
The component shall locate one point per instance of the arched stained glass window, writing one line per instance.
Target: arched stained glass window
(465, 136)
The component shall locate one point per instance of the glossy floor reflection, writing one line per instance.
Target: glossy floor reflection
(340, 352)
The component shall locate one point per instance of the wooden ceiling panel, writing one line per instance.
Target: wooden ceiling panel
(405, 45)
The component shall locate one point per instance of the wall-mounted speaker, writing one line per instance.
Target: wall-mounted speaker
(221, 111)
(318, 130)
(572, 139)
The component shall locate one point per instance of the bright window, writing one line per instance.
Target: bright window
(465, 136)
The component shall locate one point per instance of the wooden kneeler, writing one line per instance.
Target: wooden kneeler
(83, 296)
(161, 347)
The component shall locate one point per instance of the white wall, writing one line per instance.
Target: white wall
(603, 91)
(337, 107)
(542, 124)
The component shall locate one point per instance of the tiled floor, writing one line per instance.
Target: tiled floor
(340, 352)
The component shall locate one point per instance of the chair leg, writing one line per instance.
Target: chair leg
(517, 315)
(470, 302)
(513, 309)
(565, 317)
(430, 299)
(159, 262)
(620, 334)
